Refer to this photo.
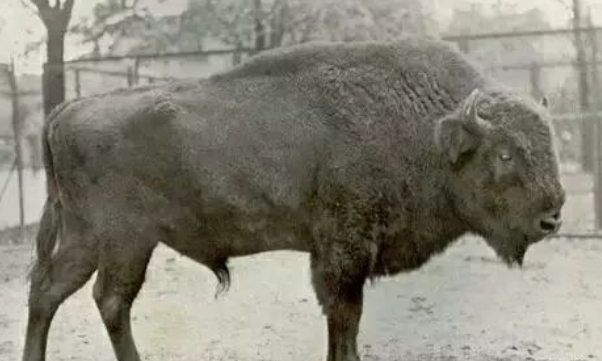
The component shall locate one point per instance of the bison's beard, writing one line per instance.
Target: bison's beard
(513, 255)
(510, 250)
(509, 242)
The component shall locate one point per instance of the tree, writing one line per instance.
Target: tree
(349, 20)
(113, 19)
(260, 24)
(128, 26)
(248, 24)
(56, 19)
(253, 24)
(500, 52)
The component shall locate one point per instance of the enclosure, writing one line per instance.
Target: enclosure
(464, 305)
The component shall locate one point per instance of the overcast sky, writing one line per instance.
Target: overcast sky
(22, 25)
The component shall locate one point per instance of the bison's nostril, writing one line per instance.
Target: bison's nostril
(550, 224)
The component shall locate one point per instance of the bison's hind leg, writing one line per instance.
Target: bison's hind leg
(69, 269)
(124, 255)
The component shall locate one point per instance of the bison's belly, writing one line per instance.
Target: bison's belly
(226, 234)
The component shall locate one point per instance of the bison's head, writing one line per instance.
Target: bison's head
(499, 153)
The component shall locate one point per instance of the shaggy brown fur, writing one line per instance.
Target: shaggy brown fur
(372, 157)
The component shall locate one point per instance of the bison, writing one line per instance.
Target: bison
(370, 156)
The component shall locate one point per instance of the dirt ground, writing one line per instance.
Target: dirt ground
(464, 305)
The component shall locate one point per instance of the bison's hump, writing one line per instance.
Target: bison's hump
(293, 60)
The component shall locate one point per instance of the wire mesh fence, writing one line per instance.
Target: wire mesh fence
(557, 64)
(96, 75)
(561, 65)
(537, 63)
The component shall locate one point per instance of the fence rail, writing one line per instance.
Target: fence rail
(522, 34)
(162, 55)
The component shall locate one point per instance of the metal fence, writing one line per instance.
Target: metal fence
(558, 64)
(17, 163)
(96, 75)
(538, 63)
(562, 65)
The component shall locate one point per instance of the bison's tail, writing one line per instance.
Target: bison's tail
(47, 236)
(46, 239)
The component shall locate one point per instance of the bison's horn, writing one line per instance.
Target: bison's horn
(470, 104)
(472, 120)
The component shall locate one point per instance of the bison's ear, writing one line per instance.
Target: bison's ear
(462, 131)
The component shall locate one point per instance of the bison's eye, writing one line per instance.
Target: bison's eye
(504, 168)
(505, 157)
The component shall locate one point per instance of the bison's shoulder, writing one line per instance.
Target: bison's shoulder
(412, 78)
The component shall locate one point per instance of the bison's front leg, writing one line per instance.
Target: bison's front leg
(338, 277)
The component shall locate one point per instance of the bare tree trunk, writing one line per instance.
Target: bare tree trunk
(56, 18)
(54, 70)
(237, 56)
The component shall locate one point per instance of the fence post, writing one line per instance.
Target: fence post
(587, 127)
(136, 71)
(78, 84)
(130, 77)
(237, 54)
(535, 78)
(16, 120)
(597, 124)
(464, 45)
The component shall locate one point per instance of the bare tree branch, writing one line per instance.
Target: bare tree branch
(42, 5)
(564, 4)
(231, 35)
(29, 6)
(66, 11)
(56, 20)
(57, 15)
(67, 5)
(47, 13)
